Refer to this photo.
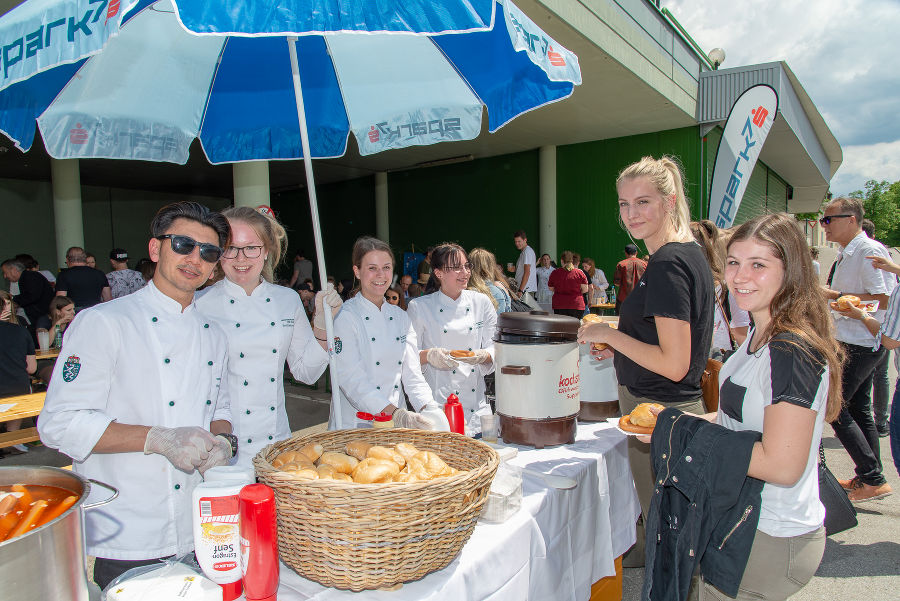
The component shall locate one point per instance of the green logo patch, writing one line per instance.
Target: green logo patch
(71, 368)
(337, 345)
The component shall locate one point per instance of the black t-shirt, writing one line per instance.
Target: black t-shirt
(35, 294)
(82, 284)
(677, 284)
(15, 345)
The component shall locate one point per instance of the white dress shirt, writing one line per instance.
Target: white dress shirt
(375, 351)
(135, 360)
(467, 323)
(527, 257)
(855, 274)
(264, 329)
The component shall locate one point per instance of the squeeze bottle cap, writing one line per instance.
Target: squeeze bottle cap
(364, 415)
(383, 417)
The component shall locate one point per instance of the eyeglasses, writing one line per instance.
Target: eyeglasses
(250, 252)
(185, 245)
(392, 298)
(827, 219)
(460, 269)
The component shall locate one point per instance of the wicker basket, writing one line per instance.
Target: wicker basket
(365, 536)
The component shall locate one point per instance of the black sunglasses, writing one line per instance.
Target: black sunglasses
(185, 245)
(827, 219)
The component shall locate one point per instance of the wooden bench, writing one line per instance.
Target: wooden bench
(26, 405)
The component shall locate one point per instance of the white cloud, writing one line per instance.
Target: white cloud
(843, 54)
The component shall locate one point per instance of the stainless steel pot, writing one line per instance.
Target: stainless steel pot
(48, 562)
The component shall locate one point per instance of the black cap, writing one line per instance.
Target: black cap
(119, 254)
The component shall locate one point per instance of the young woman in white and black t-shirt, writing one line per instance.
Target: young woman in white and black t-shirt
(784, 381)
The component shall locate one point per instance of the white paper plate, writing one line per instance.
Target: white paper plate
(615, 422)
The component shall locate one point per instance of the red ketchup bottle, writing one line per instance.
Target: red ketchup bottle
(454, 411)
(259, 542)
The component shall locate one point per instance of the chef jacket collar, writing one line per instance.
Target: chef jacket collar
(166, 303)
(236, 291)
(447, 301)
(370, 307)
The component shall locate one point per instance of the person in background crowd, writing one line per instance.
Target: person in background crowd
(85, 285)
(139, 398)
(17, 360)
(814, 255)
(487, 278)
(665, 326)
(146, 268)
(31, 264)
(415, 291)
(544, 297)
(868, 226)
(525, 270)
(424, 269)
(731, 323)
(266, 325)
(854, 274)
(122, 280)
(394, 296)
(598, 282)
(376, 350)
(629, 272)
(62, 312)
(90, 260)
(35, 291)
(303, 269)
(568, 285)
(451, 317)
(405, 283)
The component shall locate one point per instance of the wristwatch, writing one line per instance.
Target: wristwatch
(232, 440)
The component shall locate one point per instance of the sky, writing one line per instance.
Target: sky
(842, 51)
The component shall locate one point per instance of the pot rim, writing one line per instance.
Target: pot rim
(82, 496)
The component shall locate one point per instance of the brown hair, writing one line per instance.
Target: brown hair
(7, 299)
(565, 260)
(799, 307)
(57, 303)
(712, 242)
(666, 176)
(272, 234)
(593, 267)
(851, 206)
(443, 256)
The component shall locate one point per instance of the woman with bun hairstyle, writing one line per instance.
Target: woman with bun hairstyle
(447, 318)
(568, 285)
(376, 350)
(266, 325)
(785, 382)
(665, 324)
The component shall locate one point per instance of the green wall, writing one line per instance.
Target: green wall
(587, 215)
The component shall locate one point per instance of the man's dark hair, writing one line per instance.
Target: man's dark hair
(193, 211)
(27, 260)
(868, 227)
(520, 234)
(630, 250)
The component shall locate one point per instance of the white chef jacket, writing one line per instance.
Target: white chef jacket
(264, 329)
(136, 360)
(375, 351)
(467, 323)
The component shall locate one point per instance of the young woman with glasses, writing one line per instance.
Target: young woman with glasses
(266, 325)
(451, 318)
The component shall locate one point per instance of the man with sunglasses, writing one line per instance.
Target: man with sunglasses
(854, 274)
(138, 398)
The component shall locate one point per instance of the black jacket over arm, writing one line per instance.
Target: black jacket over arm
(35, 294)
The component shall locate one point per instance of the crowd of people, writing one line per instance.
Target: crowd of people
(208, 320)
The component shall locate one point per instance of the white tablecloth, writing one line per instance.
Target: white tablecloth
(555, 547)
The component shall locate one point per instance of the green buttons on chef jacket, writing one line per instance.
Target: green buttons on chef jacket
(166, 360)
(248, 412)
(271, 408)
(470, 348)
(473, 390)
(208, 402)
(231, 301)
(249, 440)
(367, 318)
(241, 355)
(268, 300)
(237, 325)
(153, 319)
(378, 363)
(171, 403)
(445, 331)
(391, 318)
(209, 362)
(470, 329)
(473, 370)
(274, 350)
(245, 382)
(395, 386)
(206, 325)
(177, 487)
(397, 338)
(467, 308)
(271, 379)
(399, 362)
(271, 323)
(440, 310)
(378, 388)
(454, 371)
(270, 438)
(373, 339)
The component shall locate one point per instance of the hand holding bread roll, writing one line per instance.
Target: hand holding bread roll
(641, 420)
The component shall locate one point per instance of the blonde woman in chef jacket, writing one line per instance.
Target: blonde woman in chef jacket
(376, 353)
(265, 324)
(450, 317)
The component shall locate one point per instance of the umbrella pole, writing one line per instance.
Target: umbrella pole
(317, 228)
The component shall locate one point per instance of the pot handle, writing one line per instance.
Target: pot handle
(516, 370)
(104, 501)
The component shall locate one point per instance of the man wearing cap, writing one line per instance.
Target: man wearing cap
(122, 281)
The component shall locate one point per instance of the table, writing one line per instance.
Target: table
(52, 353)
(555, 547)
(602, 308)
(25, 405)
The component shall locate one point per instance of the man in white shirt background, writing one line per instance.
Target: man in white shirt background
(138, 398)
(526, 270)
(854, 274)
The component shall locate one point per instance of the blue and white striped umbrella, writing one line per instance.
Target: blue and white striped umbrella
(129, 79)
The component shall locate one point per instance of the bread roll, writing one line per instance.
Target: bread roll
(591, 318)
(312, 451)
(641, 420)
(458, 354)
(372, 471)
(289, 457)
(434, 465)
(357, 449)
(342, 477)
(847, 301)
(304, 474)
(379, 452)
(326, 472)
(406, 449)
(342, 463)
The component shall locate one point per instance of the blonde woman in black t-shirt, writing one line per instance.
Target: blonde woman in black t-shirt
(665, 325)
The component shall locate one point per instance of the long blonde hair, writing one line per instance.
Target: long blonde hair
(272, 234)
(667, 177)
(483, 262)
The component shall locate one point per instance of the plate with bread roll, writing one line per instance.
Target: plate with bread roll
(460, 354)
(849, 300)
(640, 422)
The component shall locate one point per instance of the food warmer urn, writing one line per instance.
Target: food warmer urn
(537, 378)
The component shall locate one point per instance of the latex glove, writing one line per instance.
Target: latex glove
(329, 297)
(481, 356)
(441, 359)
(433, 412)
(409, 419)
(219, 455)
(185, 448)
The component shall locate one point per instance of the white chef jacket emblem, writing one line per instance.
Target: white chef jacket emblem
(263, 329)
(467, 323)
(143, 362)
(378, 353)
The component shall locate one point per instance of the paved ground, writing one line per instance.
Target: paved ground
(862, 564)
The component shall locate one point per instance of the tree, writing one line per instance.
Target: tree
(881, 201)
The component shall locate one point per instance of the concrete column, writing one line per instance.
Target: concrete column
(65, 179)
(382, 212)
(251, 183)
(547, 200)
